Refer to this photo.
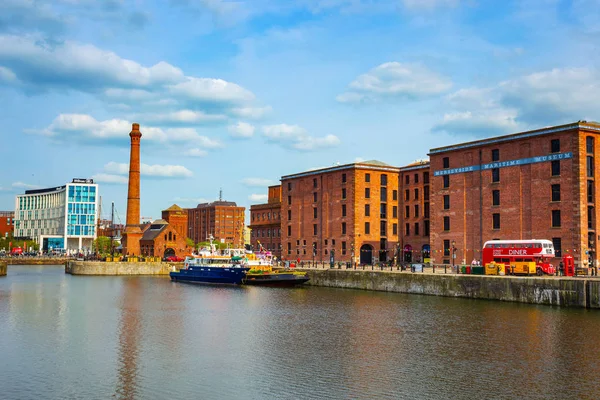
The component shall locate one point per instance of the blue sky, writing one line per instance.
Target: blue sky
(235, 94)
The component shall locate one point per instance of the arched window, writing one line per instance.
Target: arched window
(174, 237)
(170, 236)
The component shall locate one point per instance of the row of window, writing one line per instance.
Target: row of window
(265, 216)
(416, 178)
(555, 220)
(275, 232)
(416, 231)
(314, 247)
(416, 192)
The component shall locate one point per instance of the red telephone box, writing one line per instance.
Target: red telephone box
(568, 265)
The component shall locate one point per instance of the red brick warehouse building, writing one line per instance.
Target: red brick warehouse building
(537, 184)
(7, 223)
(349, 210)
(265, 222)
(222, 219)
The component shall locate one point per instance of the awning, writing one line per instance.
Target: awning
(407, 247)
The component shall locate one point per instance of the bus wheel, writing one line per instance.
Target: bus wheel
(540, 272)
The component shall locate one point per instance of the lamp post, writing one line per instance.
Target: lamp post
(453, 252)
(352, 255)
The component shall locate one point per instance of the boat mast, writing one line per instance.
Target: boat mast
(112, 227)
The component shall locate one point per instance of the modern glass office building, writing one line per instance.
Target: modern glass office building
(62, 217)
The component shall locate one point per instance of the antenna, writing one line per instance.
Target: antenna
(220, 194)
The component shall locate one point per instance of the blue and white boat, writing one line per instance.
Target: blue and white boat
(211, 269)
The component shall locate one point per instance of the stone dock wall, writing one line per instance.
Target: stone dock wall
(558, 291)
(3, 266)
(117, 268)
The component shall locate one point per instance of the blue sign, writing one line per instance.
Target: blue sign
(502, 164)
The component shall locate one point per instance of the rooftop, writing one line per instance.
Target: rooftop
(371, 164)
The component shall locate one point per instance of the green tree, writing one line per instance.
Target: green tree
(102, 245)
(190, 243)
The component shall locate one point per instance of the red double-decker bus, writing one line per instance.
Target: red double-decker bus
(506, 252)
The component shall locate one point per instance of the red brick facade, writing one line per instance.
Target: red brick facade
(346, 210)
(7, 224)
(265, 222)
(160, 239)
(537, 184)
(222, 219)
(177, 217)
(414, 212)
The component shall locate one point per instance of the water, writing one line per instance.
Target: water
(70, 337)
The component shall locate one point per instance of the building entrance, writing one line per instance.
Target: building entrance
(169, 252)
(366, 254)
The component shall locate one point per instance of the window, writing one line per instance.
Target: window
(367, 228)
(395, 212)
(425, 177)
(556, 242)
(407, 194)
(383, 210)
(416, 228)
(590, 217)
(406, 179)
(407, 211)
(446, 247)
(446, 179)
(289, 248)
(556, 168)
(314, 182)
(495, 155)
(555, 146)
(495, 197)
(416, 194)
(383, 194)
(383, 179)
(289, 215)
(315, 212)
(394, 195)
(590, 191)
(416, 178)
(343, 178)
(426, 193)
(496, 221)
(343, 210)
(416, 211)
(555, 192)
(289, 230)
(367, 210)
(343, 193)
(367, 193)
(556, 218)
(343, 248)
(289, 199)
(495, 174)
(289, 185)
(446, 202)
(367, 177)
(446, 223)
(426, 228)
(394, 229)
(426, 210)
(446, 162)
(382, 228)
(343, 228)
(315, 197)
(407, 229)
(589, 166)
(589, 146)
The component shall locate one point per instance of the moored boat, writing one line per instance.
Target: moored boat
(262, 273)
(211, 270)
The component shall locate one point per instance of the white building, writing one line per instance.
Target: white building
(62, 217)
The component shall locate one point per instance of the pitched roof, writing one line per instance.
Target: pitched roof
(174, 207)
(154, 230)
(374, 162)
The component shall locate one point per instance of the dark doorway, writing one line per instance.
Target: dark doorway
(169, 252)
(366, 254)
(408, 253)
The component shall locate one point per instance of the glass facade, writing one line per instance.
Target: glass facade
(81, 210)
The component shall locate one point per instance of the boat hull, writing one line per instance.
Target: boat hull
(275, 279)
(211, 275)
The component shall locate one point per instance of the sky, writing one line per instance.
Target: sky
(232, 95)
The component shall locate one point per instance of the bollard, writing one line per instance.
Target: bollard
(445, 266)
(434, 268)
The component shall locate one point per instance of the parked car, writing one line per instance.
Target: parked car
(174, 259)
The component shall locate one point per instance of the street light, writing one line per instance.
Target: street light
(314, 253)
(453, 252)
(352, 255)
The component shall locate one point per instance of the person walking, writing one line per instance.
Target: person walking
(559, 269)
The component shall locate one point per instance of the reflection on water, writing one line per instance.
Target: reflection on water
(145, 337)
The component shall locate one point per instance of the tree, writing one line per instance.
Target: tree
(190, 243)
(102, 245)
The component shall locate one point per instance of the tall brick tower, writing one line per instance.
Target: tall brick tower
(133, 233)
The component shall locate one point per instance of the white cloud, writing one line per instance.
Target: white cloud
(241, 130)
(544, 98)
(151, 171)
(7, 76)
(252, 112)
(22, 185)
(110, 178)
(257, 182)
(187, 117)
(429, 4)
(296, 137)
(195, 152)
(258, 197)
(208, 89)
(395, 80)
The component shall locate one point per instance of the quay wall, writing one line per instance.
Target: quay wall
(558, 291)
(3, 266)
(35, 260)
(117, 268)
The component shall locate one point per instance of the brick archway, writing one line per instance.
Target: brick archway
(169, 252)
